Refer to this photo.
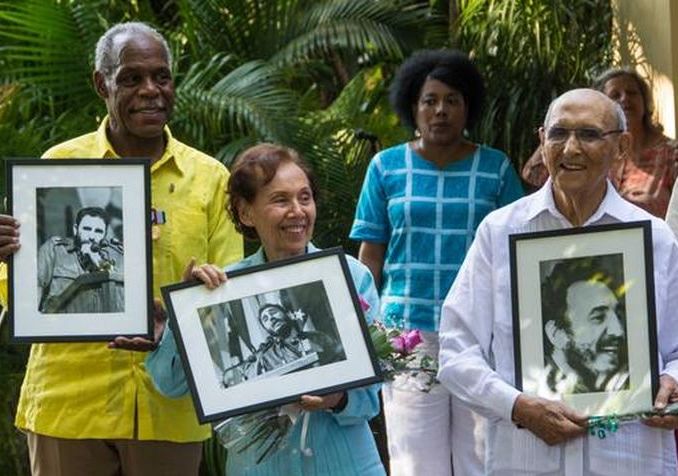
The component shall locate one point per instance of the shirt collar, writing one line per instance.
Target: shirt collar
(260, 256)
(613, 204)
(171, 155)
(105, 149)
(103, 146)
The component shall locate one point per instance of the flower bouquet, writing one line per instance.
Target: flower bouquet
(266, 431)
(396, 355)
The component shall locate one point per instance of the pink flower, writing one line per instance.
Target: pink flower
(406, 342)
(398, 343)
(412, 339)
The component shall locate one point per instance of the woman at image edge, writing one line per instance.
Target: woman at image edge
(272, 199)
(418, 211)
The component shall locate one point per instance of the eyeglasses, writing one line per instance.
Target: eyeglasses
(585, 135)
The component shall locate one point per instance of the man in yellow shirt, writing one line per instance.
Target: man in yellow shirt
(90, 408)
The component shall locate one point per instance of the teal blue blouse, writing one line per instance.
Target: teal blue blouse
(427, 217)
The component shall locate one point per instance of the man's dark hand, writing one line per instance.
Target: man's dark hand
(9, 236)
(551, 421)
(141, 344)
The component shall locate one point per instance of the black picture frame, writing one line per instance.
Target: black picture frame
(89, 286)
(578, 295)
(237, 362)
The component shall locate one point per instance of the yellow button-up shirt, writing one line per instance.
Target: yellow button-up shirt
(77, 390)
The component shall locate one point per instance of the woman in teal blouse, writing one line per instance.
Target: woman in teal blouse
(272, 199)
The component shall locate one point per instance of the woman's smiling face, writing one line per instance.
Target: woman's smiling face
(283, 213)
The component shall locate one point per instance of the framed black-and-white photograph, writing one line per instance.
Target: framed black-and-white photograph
(584, 317)
(83, 270)
(270, 334)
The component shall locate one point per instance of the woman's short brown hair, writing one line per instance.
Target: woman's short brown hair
(254, 168)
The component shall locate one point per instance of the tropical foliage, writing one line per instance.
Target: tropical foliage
(246, 71)
(530, 51)
(12, 443)
(312, 74)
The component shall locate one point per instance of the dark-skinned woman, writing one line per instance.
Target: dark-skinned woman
(417, 214)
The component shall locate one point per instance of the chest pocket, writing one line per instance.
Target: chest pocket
(513, 450)
(634, 450)
(182, 237)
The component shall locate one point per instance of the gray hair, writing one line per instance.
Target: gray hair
(618, 112)
(106, 59)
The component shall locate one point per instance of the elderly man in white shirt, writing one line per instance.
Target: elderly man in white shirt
(583, 133)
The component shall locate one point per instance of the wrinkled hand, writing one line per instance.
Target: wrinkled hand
(141, 344)
(209, 274)
(311, 403)
(668, 393)
(9, 236)
(551, 421)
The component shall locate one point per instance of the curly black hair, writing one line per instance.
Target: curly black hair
(452, 67)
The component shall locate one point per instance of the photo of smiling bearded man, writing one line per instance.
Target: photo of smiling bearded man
(585, 338)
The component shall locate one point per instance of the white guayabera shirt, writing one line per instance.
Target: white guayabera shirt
(476, 347)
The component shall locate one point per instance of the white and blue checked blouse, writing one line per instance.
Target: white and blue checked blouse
(427, 217)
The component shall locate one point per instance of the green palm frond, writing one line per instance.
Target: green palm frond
(248, 29)
(384, 29)
(336, 142)
(45, 45)
(203, 27)
(214, 106)
(292, 31)
(90, 25)
(228, 152)
(549, 45)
